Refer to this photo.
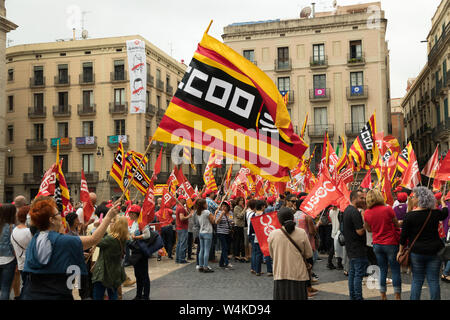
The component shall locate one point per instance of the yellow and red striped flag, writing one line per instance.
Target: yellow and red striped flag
(188, 157)
(404, 157)
(302, 133)
(214, 161)
(224, 102)
(364, 145)
(117, 169)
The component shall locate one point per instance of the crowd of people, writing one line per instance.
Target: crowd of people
(37, 249)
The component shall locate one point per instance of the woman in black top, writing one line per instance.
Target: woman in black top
(424, 259)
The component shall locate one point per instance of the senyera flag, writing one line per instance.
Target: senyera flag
(364, 145)
(263, 226)
(224, 102)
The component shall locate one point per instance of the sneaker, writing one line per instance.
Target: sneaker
(270, 274)
(198, 267)
(159, 259)
(253, 271)
(388, 281)
(312, 290)
(331, 266)
(207, 270)
(315, 276)
(201, 269)
(258, 274)
(339, 267)
(229, 266)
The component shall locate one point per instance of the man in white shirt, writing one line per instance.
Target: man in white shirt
(80, 212)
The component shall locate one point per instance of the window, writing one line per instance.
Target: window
(10, 103)
(119, 97)
(158, 102)
(38, 75)
(356, 79)
(63, 73)
(88, 162)
(38, 131)
(284, 84)
(11, 133)
(10, 74)
(65, 163)
(119, 70)
(119, 127)
(158, 74)
(10, 166)
(88, 74)
(283, 57)
(63, 100)
(148, 97)
(38, 165)
(88, 98)
(320, 116)
(355, 49)
(249, 55)
(319, 52)
(444, 71)
(63, 129)
(167, 81)
(446, 109)
(39, 101)
(320, 81)
(358, 118)
(88, 128)
(317, 155)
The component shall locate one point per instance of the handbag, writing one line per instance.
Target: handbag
(229, 227)
(403, 258)
(307, 264)
(444, 253)
(341, 239)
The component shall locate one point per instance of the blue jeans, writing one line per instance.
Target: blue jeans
(182, 245)
(268, 261)
(387, 254)
(429, 266)
(205, 245)
(251, 239)
(447, 269)
(6, 278)
(224, 239)
(358, 267)
(98, 292)
(258, 257)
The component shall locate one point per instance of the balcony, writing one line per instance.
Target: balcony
(319, 130)
(118, 108)
(64, 143)
(318, 62)
(87, 79)
(414, 110)
(92, 177)
(319, 95)
(87, 110)
(118, 76)
(62, 81)
(151, 110)
(443, 88)
(37, 112)
(291, 97)
(356, 61)
(433, 95)
(354, 128)
(283, 65)
(440, 44)
(36, 144)
(88, 142)
(150, 80)
(37, 82)
(160, 114)
(447, 79)
(32, 178)
(357, 92)
(159, 85)
(438, 87)
(62, 111)
(169, 90)
(113, 141)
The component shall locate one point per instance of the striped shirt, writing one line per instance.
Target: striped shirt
(224, 225)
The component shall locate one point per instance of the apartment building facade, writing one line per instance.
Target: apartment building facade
(425, 104)
(77, 92)
(334, 66)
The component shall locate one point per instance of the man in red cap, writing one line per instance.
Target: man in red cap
(182, 225)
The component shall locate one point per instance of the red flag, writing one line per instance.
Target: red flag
(263, 226)
(158, 164)
(321, 196)
(280, 186)
(148, 207)
(367, 181)
(411, 176)
(88, 208)
(168, 201)
(47, 187)
(387, 189)
(343, 202)
(432, 165)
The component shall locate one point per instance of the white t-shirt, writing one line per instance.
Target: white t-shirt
(20, 239)
(80, 214)
(334, 222)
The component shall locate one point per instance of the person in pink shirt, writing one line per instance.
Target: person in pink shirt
(380, 219)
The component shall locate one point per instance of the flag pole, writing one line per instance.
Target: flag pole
(134, 174)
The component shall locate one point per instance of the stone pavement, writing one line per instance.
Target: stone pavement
(170, 281)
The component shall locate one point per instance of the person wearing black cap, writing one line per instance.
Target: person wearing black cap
(290, 261)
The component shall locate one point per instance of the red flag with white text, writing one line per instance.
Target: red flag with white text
(263, 226)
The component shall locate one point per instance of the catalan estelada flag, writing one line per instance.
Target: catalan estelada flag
(285, 95)
(364, 149)
(224, 102)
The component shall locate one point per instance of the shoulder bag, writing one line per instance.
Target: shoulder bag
(444, 253)
(307, 264)
(403, 258)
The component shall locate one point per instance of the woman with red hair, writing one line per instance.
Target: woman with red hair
(53, 258)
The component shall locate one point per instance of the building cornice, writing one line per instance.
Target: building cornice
(418, 81)
(6, 25)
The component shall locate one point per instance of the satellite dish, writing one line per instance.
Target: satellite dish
(84, 34)
(305, 13)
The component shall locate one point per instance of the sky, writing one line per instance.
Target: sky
(176, 26)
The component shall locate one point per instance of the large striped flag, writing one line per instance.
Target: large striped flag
(224, 102)
(228, 177)
(214, 161)
(404, 157)
(364, 149)
(117, 169)
(131, 164)
(343, 160)
(188, 157)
